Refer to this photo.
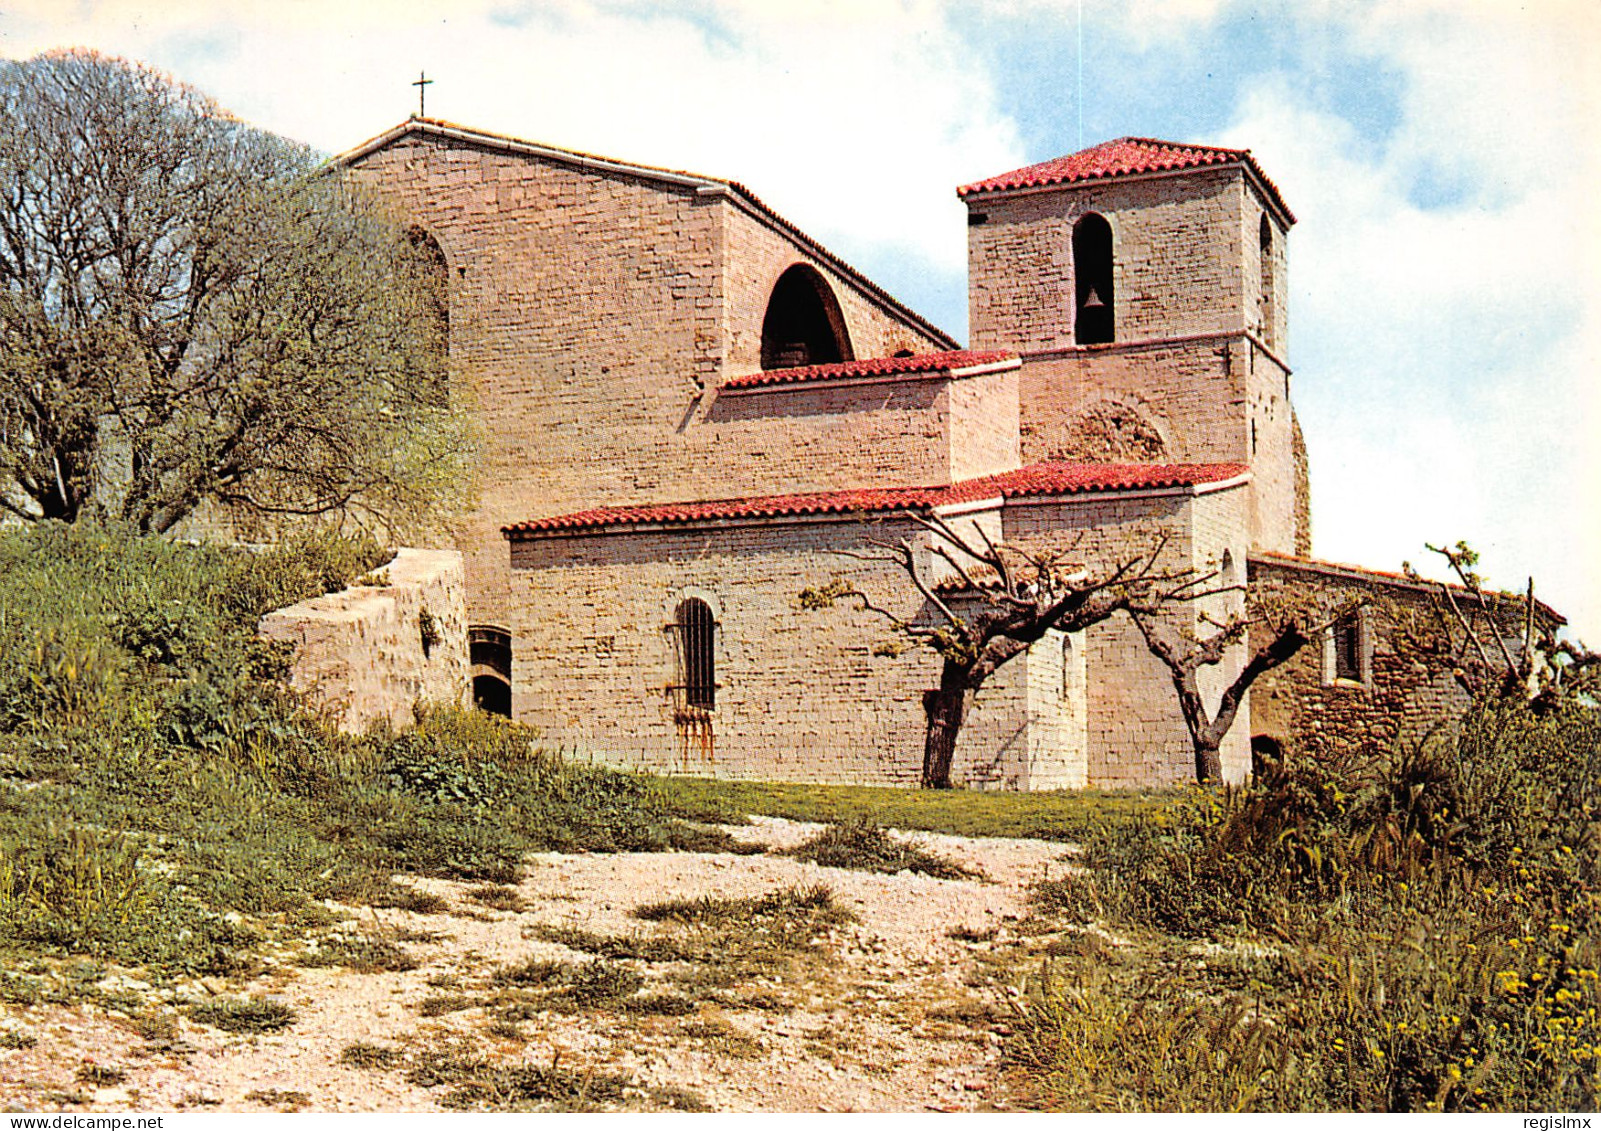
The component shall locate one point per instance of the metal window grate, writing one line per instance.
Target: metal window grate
(696, 639)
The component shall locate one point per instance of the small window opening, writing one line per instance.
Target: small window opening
(1348, 648)
(697, 633)
(803, 324)
(1093, 319)
(489, 652)
(1265, 303)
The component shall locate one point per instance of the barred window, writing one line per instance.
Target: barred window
(696, 631)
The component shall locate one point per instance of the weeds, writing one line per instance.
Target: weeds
(409, 899)
(279, 1098)
(358, 953)
(17, 1039)
(1417, 935)
(497, 896)
(661, 1005)
(813, 905)
(437, 1005)
(533, 972)
(600, 983)
(867, 848)
(244, 1015)
(361, 1054)
(99, 1076)
(525, 1086)
(720, 1035)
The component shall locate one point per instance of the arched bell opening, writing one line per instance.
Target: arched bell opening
(803, 324)
(1094, 317)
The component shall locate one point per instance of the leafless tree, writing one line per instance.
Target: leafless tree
(993, 602)
(1185, 654)
(1477, 628)
(193, 311)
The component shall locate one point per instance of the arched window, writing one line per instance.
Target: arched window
(489, 651)
(1093, 318)
(434, 276)
(697, 632)
(803, 324)
(1265, 303)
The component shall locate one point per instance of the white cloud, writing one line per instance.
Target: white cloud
(856, 120)
(1446, 353)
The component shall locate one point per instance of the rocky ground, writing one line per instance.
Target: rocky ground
(552, 994)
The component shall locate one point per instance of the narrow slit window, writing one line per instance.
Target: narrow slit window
(1269, 284)
(1348, 648)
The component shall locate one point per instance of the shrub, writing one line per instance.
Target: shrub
(868, 848)
(1438, 923)
(244, 1015)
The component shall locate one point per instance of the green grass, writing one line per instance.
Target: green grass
(167, 804)
(1058, 815)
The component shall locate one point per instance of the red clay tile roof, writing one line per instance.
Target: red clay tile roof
(946, 362)
(1124, 157)
(1037, 480)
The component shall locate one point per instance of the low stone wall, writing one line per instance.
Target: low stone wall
(370, 653)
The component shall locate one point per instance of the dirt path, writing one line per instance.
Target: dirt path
(896, 1011)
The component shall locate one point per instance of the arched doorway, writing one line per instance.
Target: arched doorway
(489, 650)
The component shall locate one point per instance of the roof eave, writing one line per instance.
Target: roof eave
(1265, 188)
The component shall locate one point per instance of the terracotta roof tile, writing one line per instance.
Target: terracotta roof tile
(944, 362)
(1037, 480)
(1125, 156)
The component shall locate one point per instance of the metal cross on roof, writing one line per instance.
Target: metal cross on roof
(422, 84)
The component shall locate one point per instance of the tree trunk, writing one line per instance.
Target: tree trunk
(1208, 762)
(945, 708)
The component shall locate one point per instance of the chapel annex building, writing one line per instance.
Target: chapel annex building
(689, 408)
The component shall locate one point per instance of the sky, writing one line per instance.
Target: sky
(1445, 270)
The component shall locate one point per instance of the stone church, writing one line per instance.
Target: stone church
(691, 411)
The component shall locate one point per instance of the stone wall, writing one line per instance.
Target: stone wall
(592, 311)
(810, 695)
(915, 430)
(362, 652)
(1177, 260)
(1135, 733)
(1405, 694)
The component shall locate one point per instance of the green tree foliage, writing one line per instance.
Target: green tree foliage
(193, 312)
